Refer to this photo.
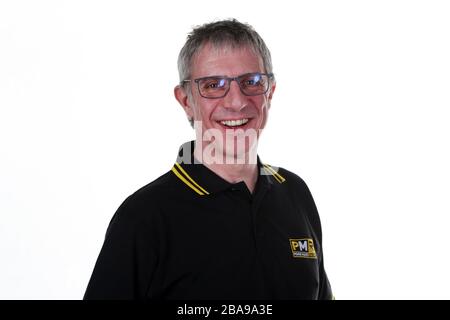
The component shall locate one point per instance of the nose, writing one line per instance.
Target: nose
(235, 99)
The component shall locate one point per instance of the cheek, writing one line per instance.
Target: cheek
(203, 111)
(263, 112)
(263, 106)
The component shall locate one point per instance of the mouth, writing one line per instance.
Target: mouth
(234, 124)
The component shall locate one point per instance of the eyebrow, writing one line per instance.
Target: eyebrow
(214, 77)
(219, 76)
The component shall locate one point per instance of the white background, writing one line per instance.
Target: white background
(87, 116)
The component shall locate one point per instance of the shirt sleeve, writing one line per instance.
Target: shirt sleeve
(325, 292)
(127, 259)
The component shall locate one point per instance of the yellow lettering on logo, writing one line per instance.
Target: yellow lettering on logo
(311, 247)
(303, 248)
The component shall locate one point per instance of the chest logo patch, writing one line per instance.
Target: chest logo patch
(303, 248)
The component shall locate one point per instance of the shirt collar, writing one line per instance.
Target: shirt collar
(204, 181)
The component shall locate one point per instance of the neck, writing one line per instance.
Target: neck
(233, 173)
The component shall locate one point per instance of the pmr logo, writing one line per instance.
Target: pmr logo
(303, 248)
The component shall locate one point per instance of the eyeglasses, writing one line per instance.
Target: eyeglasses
(251, 84)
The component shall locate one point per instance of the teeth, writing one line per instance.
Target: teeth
(234, 123)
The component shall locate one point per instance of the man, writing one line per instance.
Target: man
(220, 224)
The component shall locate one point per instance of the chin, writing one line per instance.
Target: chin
(241, 150)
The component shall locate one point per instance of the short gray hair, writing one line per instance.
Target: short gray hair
(224, 33)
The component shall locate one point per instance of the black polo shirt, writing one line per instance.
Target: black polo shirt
(192, 235)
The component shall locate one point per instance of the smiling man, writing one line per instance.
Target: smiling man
(220, 224)
(227, 93)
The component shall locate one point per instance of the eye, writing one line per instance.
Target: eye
(253, 80)
(213, 83)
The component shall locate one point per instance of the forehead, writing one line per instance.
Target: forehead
(226, 61)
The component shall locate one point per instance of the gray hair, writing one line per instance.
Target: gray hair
(224, 33)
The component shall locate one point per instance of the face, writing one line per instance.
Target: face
(215, 114)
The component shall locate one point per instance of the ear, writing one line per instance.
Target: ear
(183, 99)
(273, 86)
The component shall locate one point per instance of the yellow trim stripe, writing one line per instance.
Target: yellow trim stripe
(277, 176)
(174, 170)
(190, 179)
(269, 172)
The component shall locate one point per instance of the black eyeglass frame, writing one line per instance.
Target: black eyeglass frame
(270, 76)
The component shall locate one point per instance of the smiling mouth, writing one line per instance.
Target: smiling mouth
(234, 123)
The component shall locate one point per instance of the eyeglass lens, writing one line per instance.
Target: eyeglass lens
(250, 84)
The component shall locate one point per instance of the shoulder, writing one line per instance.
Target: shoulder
(298, 187)
(297, 190)
(296, 184)
(289, 180)
(153, 192)
(141, 208)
